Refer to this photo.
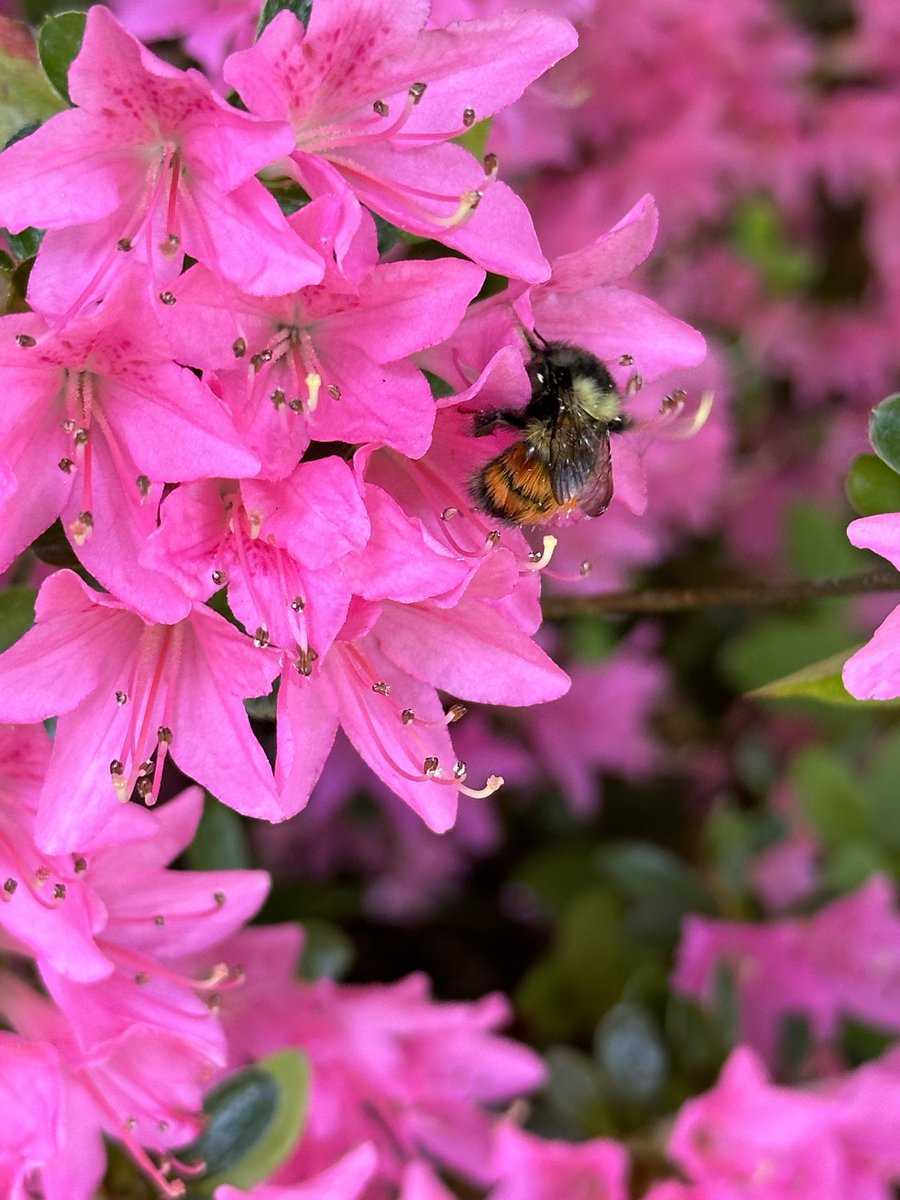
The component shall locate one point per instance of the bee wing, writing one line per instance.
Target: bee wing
(572, 455)
(598, 493)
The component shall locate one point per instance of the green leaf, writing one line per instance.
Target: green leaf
(25, 94)
(773, 646)
(25, 244)
(817, 542)
(59, 41)
(255, 1119)
(872, 486)
(327, 951)
(16, 614)
(760, 236)
(830, 796)
(884, 431)
(220, 843)
(630, 1052)
(302, 9)
(644, 872)
(820, 681)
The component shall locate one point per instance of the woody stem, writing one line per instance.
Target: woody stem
(738, 595)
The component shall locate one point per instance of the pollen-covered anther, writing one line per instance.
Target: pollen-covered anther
(626, 360)
(468, 117)
(121, 698)
(431, 766)
(219, 577)
(334, 391)
(81, 437)
(10, 886)
(460, 770)
(449, 513)
(116, 768)
(304, 661)
(381, 108)
(277, 398)
(25, 340)
(169, 245)
(296, 405)
(634, 384)
(491, 165)
(124, 244)
(261, 637)
(239, 347)
(673, 401)
(59, 891)
(298, 604)
(79, 866)
(146, 768)
(258, 361)
(408, 716)
(492, 538)
(380, 688)
(538, 559)
(586, 567)
(455, 713)
(143, 486)
(417, 91)
(144, 787)
(66, 465)
(42, 874)
(168, 297)
(313, 384)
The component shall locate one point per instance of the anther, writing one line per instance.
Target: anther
(456, 712)
(449, 513)
(460, 770)
(259, 360)
(168, 297)
(82, 437)
(159, 919)
(586, 567)
(146, 768)
(79, 866)
(144, 787)
(219, 577)
(408, 716)
(169, 246)
(381, 688)
(277, 397)
(164, 734)
(634, 384)
(42, 874)
(239, 347)
(626, 360)
(334, 391)
(220, 898)
(59, 891)
(381, 108)
(141, 978)
(468, 117)
(261, 637)
(491, 165)
(417, 91)
(305, 660)
(298, 604)
(213, 1001)
(672, 401)
(295, 405)
(121, 698)
(66, 465)
(116, 768)
(143, 485)
(25, 340)
(10, 886)
(493, 537)
(68, 425)
(124, 244)
(431, 766)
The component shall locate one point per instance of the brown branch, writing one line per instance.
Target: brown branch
(738, 595)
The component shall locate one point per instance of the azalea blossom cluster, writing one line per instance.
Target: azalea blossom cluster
(219, 391)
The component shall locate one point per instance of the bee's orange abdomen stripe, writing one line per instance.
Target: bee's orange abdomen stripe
(515, 487)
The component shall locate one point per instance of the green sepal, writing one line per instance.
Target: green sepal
(872, 486)
(302, 10)
(821, 681)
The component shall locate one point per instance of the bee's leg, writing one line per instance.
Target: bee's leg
(507, 418)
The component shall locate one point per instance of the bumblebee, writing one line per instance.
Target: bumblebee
(562, 459)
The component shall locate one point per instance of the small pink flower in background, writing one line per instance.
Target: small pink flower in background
(211, 29)
(125, 690)
(844, 961)
(345, 1180)
(873, 673)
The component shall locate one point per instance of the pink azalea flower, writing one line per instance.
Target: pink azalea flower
(97, 421)
(843, 961)
(526, 1167)
(389, 1065)
(327, 80)
(329, 363)
(873, 673)
(126, 691)
(345, 1180)
(32, 1097)
(150, 162)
